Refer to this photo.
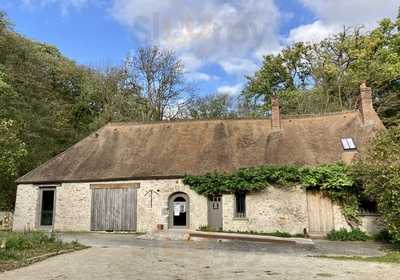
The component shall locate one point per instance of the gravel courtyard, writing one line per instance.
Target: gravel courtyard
(124, 257)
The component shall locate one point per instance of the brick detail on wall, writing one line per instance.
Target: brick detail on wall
(366, 106)
(275, 114)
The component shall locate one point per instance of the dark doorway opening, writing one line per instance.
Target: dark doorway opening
(179, 211)
(180, 218)
(47, 208)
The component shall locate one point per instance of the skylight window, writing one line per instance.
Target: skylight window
(348, 144)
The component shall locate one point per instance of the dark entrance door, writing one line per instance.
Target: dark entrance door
(179, 211)
(47, 203)
(215, 212)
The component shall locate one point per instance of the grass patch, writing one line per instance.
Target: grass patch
(345, 235)
(276, 233)
(391, 257)
(20, 249)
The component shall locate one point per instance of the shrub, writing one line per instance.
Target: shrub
(345, 235)
(382, 236)
(379, 172)
(22, 246)
(333, 179)
(30, 240)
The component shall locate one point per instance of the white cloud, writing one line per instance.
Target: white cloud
(228, 33)
(312, 33)
(353, 12)
(199, 77)
(191, 62)
(231, 90)
(333, 15)
(239, 66)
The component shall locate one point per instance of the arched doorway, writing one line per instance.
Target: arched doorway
(179, 210)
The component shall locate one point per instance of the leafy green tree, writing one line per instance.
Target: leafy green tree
(38, 88)
(108, 95)
(211, 107)
(379, 172)
(12, 152)
(286, 71)
(326, 76)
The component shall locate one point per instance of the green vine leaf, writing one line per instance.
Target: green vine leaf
(333, 179)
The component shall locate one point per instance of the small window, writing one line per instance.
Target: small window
(348, 144)
(240, 205)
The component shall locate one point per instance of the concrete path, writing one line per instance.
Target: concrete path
(321, 247)
(125, 257)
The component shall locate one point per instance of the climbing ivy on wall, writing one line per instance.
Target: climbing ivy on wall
(334, 179)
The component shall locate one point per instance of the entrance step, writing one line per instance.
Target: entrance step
(201, 235)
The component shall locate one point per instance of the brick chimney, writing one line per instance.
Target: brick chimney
(275, 114)
(366, 108)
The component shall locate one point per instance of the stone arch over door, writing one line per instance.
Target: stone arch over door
(181, 219)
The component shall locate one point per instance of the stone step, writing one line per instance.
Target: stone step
(198, 235)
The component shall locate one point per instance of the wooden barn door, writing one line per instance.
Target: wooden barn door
(320, 214)
(114, 209)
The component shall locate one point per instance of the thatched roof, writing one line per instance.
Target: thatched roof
(172, 149)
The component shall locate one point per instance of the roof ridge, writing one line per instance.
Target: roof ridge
(284, 117)
(329, 114)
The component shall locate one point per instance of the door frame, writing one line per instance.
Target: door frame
(321, 196)
(210, 203)
(41, 189)
(171, 210)
(115, 186)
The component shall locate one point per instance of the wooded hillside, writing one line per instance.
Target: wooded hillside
(38, 88)
(48, 102)
(325, 77)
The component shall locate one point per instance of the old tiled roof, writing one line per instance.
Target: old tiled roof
(172, 149)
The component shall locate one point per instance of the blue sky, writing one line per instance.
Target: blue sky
(219, 41)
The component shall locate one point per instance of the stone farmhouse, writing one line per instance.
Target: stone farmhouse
(128, 176)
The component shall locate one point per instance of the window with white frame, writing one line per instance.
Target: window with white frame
(348, 144)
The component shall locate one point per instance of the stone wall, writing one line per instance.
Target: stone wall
(73, 205)
(25, 214)
(149, 217)
(283, 209)
(372, 224)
